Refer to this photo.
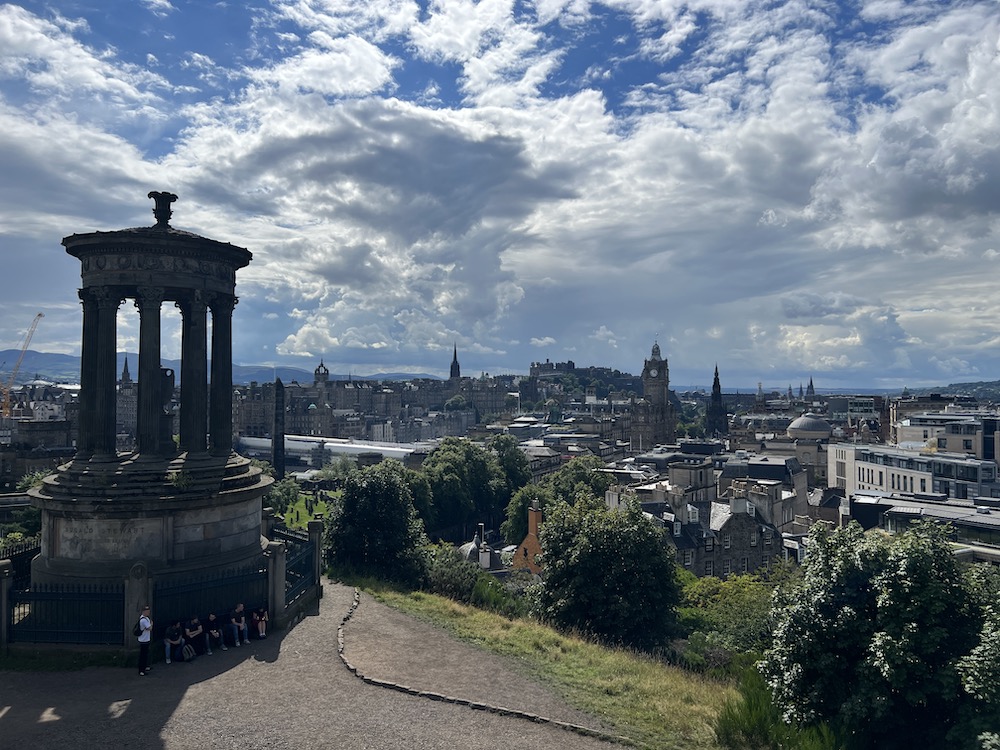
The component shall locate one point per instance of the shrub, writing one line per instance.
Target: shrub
(449, 575)
(753, 722)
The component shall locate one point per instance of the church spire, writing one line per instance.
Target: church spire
(456, 371)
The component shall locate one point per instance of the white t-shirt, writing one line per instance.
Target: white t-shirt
(146, 626)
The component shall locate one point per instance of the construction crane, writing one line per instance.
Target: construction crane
(5, 405)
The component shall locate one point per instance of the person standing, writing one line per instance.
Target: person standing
(145, 635)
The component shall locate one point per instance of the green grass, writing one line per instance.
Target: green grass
(651, 703)
(299, 522)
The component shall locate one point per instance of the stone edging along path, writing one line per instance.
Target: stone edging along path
(500, 710)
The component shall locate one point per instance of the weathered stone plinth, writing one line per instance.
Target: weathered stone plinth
(100, 517)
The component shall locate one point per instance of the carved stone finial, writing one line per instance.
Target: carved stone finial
(162, 210)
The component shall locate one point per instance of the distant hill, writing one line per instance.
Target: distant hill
(65, 368)
(983, 390)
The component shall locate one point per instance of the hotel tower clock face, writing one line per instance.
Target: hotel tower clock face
(653, 373)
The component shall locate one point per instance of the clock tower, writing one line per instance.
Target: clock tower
(656, 378)
(653, 420)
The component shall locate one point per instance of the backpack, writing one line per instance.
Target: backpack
(188, 652)
(137, 630)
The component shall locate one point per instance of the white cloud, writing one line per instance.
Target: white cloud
(792, 194)
(159, 8)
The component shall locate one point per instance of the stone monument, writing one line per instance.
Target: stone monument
(165, 510)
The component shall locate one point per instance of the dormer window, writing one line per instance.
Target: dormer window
(692, 514)
(751, 509)
(677, 528)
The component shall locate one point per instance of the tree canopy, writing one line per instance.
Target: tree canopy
(282, 495)
(578, 474)
(514, 467)
(883, 638)
(515, 527)
(374, 529)
(608, 573)
(466, 481)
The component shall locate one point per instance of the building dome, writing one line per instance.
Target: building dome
(809, 427)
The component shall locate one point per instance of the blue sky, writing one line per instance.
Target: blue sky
(788, 189)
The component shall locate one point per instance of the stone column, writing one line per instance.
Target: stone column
(221, 415)
(88, 373)
(276, 567)
(194, 373)
(150, 400)
(105, 405)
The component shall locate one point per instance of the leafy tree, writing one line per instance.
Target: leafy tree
(736, 611)
(337, 469)
(872, 636)
(264, 466)
(465, 480)
(282, 495)
(514, 466)
(515, 528)
(375, 529)
(25, 526)
(980, 668)
(608, 573)
(579, 473)
(576, 479)
(456, 403)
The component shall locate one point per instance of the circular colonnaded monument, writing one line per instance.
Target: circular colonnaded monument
(168, 509)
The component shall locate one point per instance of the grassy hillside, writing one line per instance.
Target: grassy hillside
(651, 703)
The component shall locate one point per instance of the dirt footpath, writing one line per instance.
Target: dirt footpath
(293, 691)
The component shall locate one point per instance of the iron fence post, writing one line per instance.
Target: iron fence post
(6, 615)
(316, 540)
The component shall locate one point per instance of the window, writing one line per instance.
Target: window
(767, 537)
(727, 566)
(692, 514)
(677, 528)
(727, 540)
(966, 445)
(753, 537)
(688, 558)
(923, 484)
(751, 509)
(709, 544)
(709, 568)
(744, 564)
(765, 560)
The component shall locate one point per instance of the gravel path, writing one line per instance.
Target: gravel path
(293, 691)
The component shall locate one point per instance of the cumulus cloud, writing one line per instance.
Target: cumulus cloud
(804, 191)
(542, 342)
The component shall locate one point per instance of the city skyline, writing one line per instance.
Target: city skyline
(788, 190)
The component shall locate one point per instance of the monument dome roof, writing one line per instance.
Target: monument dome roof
(809, 427)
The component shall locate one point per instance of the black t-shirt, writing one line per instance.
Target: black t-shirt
(211, 625)
(191, 629)
(173, 634)
(238, 618)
